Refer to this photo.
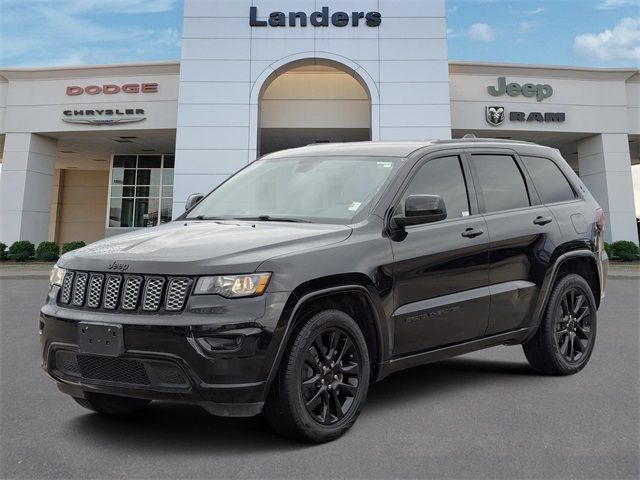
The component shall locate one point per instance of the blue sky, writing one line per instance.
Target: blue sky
(561, 32)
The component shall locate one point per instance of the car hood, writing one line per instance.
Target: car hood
(201, 247)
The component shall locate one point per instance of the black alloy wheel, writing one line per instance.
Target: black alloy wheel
(566, 335)
(323, 379)
(331, 376)
(573, 325)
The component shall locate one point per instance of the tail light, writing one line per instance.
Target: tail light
(600, 219)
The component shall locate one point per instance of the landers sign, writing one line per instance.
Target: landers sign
(317, 19)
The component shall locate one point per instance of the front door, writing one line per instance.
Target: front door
(441, 270)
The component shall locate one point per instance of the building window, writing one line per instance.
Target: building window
(141, 190)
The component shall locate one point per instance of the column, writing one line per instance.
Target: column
(25, 187)
(604, 165)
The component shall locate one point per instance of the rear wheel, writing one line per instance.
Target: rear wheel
(111, 404)
(565, 338)
(323, 379)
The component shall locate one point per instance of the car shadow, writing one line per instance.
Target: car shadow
(186, 427)
(458, 374)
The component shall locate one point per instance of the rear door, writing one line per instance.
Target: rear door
(556, 192)
(441, 270)
(523, 232)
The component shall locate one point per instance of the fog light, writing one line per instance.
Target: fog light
(225, 344)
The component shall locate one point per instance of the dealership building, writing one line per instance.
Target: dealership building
(89, 152)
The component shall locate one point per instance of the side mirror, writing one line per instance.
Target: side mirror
(421, 209)
(192, 200)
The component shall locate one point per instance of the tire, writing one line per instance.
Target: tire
(566, 336)
(111, 404)
(325, 366)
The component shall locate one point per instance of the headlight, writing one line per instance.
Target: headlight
(233, 286)
(56, 276)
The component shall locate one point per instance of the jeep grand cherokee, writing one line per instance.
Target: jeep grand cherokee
(315, 271)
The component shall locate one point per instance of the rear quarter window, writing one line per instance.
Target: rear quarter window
(550, 182)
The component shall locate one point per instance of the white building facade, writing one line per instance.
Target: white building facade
(96, 151)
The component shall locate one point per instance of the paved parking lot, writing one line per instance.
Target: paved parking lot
(484, 415)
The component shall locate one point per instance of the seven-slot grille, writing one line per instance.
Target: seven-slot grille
(125, 292)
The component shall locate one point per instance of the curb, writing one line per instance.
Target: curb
(36, 276)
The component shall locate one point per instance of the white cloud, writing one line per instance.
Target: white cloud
(481, 32)
(535, 11)
(618, 45)
(610, 4)
(122, 7)
(78, 32)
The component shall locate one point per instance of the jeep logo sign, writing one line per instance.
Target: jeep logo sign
(514, 89)
(317, 19)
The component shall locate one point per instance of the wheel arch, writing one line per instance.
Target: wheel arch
(358, 300)
(582, 262)
(585, 266)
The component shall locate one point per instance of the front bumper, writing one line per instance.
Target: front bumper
(171, 356)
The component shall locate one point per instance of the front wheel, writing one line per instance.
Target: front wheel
(565, 338)
(323, 379)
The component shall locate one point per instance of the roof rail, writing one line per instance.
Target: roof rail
(483, 140)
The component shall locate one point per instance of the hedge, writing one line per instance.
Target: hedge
(67, 247)
(624, 250)
(48, 251)
(22, 250)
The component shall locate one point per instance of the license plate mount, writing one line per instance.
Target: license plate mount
(101, 339)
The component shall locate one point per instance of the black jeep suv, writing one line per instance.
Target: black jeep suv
(315, 271)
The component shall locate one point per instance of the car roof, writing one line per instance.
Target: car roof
(387, 149)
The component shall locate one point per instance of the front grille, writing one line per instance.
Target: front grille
(152, 294)
(112, 292)
(132, 371)
(116, 370)
(79, 289)
(129, 293)
(67, 285)
(95, 290)
(176, 294)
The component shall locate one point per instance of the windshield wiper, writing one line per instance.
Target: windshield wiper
(269, 218)
(202, 217)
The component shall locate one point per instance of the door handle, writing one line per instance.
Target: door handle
(472, 232)
(542, 220)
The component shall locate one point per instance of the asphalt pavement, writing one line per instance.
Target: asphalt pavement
(483, 415)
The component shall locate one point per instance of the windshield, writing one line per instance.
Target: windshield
(308, 189)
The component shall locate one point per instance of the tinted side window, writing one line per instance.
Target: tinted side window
(501, 182)
(549, 180)
(444, 177)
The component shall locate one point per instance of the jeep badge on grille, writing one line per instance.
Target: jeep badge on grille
(122, 267)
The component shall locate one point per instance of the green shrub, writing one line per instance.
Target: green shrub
(3, 251)
(67, 247)
(22, 250)
(625, 250)
(607, 248)
(48, 251)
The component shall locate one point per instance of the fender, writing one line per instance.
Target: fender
(549, 280)
(291, 321)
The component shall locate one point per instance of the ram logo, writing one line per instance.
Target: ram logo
(495, 115)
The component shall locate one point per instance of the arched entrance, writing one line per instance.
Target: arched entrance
(312, 101)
